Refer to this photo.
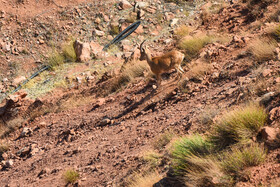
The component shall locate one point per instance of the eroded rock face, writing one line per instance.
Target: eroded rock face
(82, 51)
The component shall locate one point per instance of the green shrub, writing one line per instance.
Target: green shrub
(237, 159)
(185, 151)
(192, 45)
(71, 176)
(238, 126)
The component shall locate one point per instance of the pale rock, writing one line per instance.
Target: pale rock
(82, 51)
(268, 133)
(174, 22)
(26, 132)
(124, 4)
(97, 21)
(96, 49)
(266, 72)
(98, 33)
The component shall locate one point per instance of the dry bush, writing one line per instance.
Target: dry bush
(198, 69)
(262, 49)
(192, 45)
(146, 179)
(152, 158)
(129, 73)
(182, 31)
(10, 126)
(259, 87)
(4, 147)
(163, 140)
(68, 51)
(71, 176)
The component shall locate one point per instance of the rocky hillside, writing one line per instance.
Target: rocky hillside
(98, 118)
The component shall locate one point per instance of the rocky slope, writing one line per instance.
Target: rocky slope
(104, 135)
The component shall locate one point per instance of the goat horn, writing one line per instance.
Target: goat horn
(141, 45)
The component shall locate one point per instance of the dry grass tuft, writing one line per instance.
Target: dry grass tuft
(163, 140)
(4, 147)
(129, 73)
(263, 48)
(152, 158)
(193, 45)
(238, 126)
(71, 176)
(147, 179)
(182, 31)
(198, 69)
(237, 159)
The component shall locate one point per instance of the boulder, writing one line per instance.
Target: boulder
(82, 51)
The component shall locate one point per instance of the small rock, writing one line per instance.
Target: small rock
(154, 87)
(268, 134)
(41, 41)
(277, 80)
(266, 98)
(79, 80)
(26, 132)
(124, 4)
(98, 33)
(266, 72)
(174, 22)
(18, 80)
(105, 121)
(7, 164)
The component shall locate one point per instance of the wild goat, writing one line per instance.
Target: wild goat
(164, 63)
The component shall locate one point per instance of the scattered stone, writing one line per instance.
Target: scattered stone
(41, 41)
(266, 72)
(79, 80)
(7, 164)
(263, 100)
(274, 114)
(277, 80)
(124, 4)
(82, 51)
(154, 87)
(24, 151)
(26, 132)
(98, 33)
(174, 22)
(105, 121)
(18, 80)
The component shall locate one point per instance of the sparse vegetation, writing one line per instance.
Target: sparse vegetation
(148, 179)
(4, 147)
(69, 51)
(130, 71)
(192, 45)
(182, 31)
(152, 158)
(55, 59)
(186, 149)
(239, 125)
(163, 140)
(198, 69)
(262, 49)
(71, 176)
(236, 160)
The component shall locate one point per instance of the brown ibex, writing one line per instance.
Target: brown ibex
(164, 63)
